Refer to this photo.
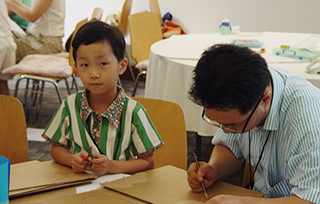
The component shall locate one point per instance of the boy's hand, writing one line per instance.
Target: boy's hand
(79, 162)
(100, 164)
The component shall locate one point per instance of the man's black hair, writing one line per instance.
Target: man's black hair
(229, 77)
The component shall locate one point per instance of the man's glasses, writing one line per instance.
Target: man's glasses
(224, 127)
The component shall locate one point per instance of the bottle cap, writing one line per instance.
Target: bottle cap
(225, 22)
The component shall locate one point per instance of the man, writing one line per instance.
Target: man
(268, 117)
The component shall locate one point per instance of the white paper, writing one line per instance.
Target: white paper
(34, 134)
(95, 184)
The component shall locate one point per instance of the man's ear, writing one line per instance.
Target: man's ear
(267, 97)
(123, 66)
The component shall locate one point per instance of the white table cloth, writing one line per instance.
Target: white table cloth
(172, 61)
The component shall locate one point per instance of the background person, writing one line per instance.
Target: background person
(45, 30)
(7, 48)
(23, 23)
(268, 117)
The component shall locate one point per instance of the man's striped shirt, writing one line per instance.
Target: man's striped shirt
(290, 164)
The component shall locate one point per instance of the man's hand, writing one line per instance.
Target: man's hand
(206, 173)
(227, 199)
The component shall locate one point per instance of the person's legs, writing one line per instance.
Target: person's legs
(7, 59)
(30, 44)
(25, 46)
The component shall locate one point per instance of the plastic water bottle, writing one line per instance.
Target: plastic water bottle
(225, 27)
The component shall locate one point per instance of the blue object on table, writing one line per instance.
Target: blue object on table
(298, 53)
(225, 27)
(5, 179)
(251, 43)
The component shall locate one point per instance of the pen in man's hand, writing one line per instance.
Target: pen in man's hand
(202, 183)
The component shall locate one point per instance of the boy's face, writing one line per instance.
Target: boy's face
(99, 68)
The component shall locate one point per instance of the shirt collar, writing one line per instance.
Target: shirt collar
(278, 85)
(113, 113)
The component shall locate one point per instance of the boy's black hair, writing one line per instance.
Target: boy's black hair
(98, 31)
(229, 77)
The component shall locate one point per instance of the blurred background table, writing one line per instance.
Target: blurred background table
(172, 62)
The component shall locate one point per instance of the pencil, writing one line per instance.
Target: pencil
(202, 183)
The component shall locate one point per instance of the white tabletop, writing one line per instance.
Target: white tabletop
(172, 61)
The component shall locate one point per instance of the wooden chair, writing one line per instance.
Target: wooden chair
(13, 134)
(123, 26)
(154, 7)
(97, 13)
(125, 12)
(38, 81)
(246, 174)
(169, 121)
(144, 31)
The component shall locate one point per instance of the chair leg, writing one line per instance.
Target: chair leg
(58, 91)
(143, 73)
(130, 68)
(37, 87)
(40, 100)
(17, 88)
(30, 101)
(26, 92)
(74, 82)
(67, 85)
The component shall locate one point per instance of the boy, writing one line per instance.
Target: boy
(102, 117)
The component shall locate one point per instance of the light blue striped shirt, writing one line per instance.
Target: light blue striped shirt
(290, 164)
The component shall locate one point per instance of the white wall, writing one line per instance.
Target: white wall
(206, 15)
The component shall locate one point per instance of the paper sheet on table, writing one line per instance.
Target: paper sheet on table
(35, 176)
(169, 184)
(95, 184)
(100, 196)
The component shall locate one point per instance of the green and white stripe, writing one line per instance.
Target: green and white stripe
(139, 136)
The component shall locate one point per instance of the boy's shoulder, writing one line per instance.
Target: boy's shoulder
(76, 97)
(133, 104)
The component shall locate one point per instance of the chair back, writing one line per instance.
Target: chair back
(97, 13)
(154, 7)
(71, 60)
(123, 22)
(144, 31)
(246, 175)
(168, 119)
(13, 134)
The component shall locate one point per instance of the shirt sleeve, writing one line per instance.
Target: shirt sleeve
(57, 129)
(304, 166)
(145, 137)
(229, 140)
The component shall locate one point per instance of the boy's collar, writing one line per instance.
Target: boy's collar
(113, 113)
